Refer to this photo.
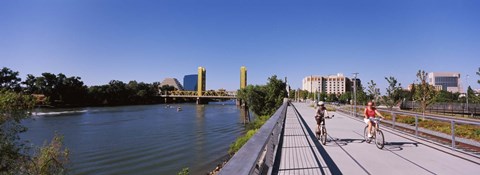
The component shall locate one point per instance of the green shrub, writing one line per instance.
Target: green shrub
(235, 146)
(185, 171)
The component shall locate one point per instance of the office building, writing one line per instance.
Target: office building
(190, 82)
(448, 81)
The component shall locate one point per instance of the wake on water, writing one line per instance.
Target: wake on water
(53, 113)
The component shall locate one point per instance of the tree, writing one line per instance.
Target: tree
(30, 84)
(360, 95)
(445, 96)
(472, 97)
(9, 79)
(292, 94)
(332, 97)
(478, 73)
(265, 99)
(345, 97)
(303, 94)
(393, 92)
(373, 91)
(275, 93)
(323, 96)
(14, 157)
(424, 92)
(49, 82)
(406, 94)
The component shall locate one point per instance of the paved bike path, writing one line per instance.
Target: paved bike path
(352, 155)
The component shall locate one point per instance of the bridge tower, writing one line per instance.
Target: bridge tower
(243, 82)
(243, 77)
(201, 84)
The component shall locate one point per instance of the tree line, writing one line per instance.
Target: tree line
(61, 90)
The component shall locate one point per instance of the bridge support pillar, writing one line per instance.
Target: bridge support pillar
(201, 101)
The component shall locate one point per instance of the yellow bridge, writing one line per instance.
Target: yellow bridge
(204, 94)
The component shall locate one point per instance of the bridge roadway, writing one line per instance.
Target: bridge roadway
(347, 153)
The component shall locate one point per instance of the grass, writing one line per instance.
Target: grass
(252, 128)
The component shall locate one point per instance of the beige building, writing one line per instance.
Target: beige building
(448, 81)
(332, 84)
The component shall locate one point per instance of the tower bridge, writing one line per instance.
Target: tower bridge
(201, 94)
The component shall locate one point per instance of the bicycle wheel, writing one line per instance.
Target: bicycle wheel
(379, 140)
(365, 135)
(324, 136)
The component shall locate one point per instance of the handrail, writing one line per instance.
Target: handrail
(452, 122)
(446, 119)
(258, 154)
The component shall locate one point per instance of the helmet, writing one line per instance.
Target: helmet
(320, 103)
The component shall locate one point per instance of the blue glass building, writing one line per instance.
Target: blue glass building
(190, 82)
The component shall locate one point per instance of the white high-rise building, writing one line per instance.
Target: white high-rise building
(332, 84)
(312, 83)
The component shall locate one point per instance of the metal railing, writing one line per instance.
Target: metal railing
(452, 122)
(258, 154)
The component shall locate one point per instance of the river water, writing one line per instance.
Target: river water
(149, 139)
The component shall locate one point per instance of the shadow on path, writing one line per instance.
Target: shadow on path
(398, 146)
(326, 157)
(345, 142)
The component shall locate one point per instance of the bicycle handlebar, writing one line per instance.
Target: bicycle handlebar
(328, 117)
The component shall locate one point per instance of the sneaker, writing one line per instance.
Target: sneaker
(369, 135)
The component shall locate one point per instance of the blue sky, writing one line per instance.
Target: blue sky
(103, 40)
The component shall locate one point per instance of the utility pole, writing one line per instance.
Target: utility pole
(355, 93)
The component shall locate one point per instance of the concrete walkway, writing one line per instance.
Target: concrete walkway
(299, 154)
(347, 153)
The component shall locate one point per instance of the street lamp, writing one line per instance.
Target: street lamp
(319, 85)
(468, 111)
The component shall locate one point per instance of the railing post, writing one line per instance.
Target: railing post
(453, 134)
(393, 120)
(416, 125)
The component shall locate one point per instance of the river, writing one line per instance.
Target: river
(148, 139)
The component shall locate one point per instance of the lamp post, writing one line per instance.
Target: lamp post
(318, 90)
(355, 95)
(468, 111)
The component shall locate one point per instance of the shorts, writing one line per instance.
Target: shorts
(370, 119)
(320, 120)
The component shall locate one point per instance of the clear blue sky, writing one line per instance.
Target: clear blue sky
(102, 40)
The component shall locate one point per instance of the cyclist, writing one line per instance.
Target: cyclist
(370, 113)
(320, 115)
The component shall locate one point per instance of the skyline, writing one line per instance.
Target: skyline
(148, 41)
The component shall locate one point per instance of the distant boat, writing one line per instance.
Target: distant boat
(179, 109)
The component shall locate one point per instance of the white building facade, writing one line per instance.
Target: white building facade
(448, 81)
(332, 84)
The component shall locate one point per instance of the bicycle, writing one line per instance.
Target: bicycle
(321, 133)
(377, 134)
